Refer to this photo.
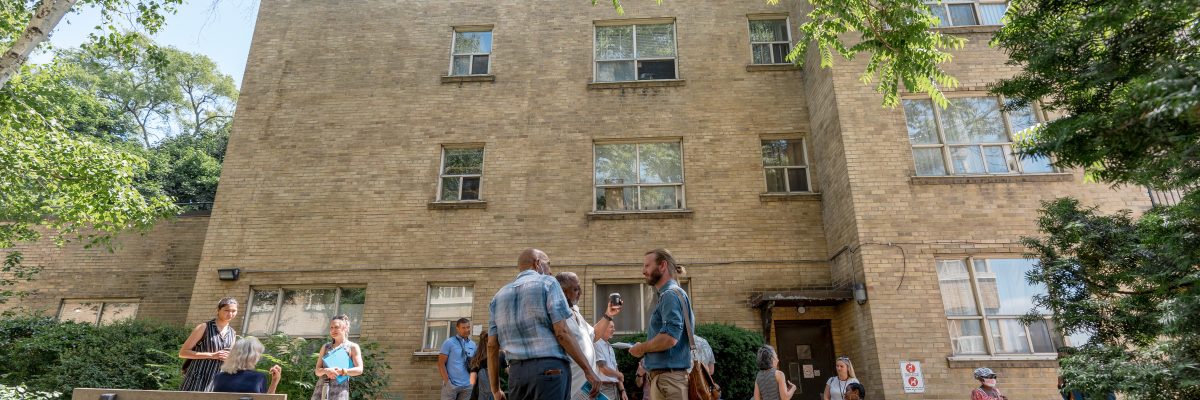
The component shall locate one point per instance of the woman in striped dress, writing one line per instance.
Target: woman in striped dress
(207, 348)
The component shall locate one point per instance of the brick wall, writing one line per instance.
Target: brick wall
(158, 268)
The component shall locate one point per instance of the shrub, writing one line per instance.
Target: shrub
(734, 349)
(50, 356)
(45, 355)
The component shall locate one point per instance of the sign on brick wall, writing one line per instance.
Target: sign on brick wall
(914, 382)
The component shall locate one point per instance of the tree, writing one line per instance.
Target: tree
(1126, 76)
(40, 17)
(56, 183)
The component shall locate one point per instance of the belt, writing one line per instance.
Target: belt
(660, 371)
(518, 362)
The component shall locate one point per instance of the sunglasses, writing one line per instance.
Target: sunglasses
(843, 358)
(992, 376)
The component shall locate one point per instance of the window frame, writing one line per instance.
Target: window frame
(646, 293)
(985, 319)
(274, 323)
(442, 173)
(787, 183)
(945, 148)
(636, 78)
(682, 185)
(450, 326)
(104, 302)
(975, 8)
(787, 24)
(454, 48)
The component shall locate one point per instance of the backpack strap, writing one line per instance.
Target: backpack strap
(687, 319)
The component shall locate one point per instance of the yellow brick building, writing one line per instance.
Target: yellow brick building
(390, 159)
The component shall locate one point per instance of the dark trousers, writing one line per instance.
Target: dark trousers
(539, 379)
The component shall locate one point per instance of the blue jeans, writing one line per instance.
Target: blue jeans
(539, 379)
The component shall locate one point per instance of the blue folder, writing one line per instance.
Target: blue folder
(339, 358)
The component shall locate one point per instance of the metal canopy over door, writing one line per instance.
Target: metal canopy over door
(806, 355)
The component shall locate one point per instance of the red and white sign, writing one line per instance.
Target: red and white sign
(914, 382)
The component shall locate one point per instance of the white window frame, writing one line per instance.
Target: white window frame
(945, 6)
(454, 44)
(787, 23)
(104, 302)
(646, 294)
(442, 173)
(787, 183)
(636, 59)
(337, 301)
(596, 186)
(984, 318)
(450, 326)
(1009, 157)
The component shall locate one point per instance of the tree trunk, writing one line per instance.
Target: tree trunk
(48, 14)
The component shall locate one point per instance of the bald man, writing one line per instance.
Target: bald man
(528, 320)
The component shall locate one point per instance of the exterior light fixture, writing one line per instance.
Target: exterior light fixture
(228, 274)
(800, 310)
(860, 293)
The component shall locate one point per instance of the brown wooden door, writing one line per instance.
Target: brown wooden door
(806, 355)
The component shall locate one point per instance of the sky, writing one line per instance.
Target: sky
(219, 29)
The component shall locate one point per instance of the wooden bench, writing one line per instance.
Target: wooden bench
(129, 394)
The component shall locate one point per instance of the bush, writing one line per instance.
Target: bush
(46, 355)
(23, 393)
(734, 348)
(50, 356)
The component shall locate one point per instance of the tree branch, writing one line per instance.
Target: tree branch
(44, 19)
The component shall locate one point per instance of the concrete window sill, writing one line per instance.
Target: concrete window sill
(468, 78)
(1012, 361)
(771, 67)
(971, 179)
(969, 29)
(457, 205)
(636, 84)
(767, 197)
(609, 215)
(425, 355)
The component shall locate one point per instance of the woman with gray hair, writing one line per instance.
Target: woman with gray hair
(769, 383)
(238, 374)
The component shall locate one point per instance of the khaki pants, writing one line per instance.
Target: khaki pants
(669, 386)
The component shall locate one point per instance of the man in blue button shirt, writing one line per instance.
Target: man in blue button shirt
(452, 362)
(667, 352)
(528, 320)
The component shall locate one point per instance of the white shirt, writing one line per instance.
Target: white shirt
(604, 353)
(584, 335)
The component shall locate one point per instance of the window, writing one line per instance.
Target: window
(302, 311)
(639, 300)
(462, 170)
(970, 137)
(98, 312)
(639, 176)
(968, 12)
(447, 303)
(770, 41)
(786, 165)
(635, 52)
(983, 304)
(470, 52)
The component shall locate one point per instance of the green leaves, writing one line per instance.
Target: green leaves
(1124, 73)
(897, 36)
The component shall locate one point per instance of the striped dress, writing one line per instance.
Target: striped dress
(199, 375)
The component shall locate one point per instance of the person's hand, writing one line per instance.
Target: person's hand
(595, 381)
(499, 395)
(330, 373)
(276, 371)
(623, 396)
(636, 350)
(613, 310)
(221, 355)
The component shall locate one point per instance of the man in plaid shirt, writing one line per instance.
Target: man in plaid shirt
(527, 320)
